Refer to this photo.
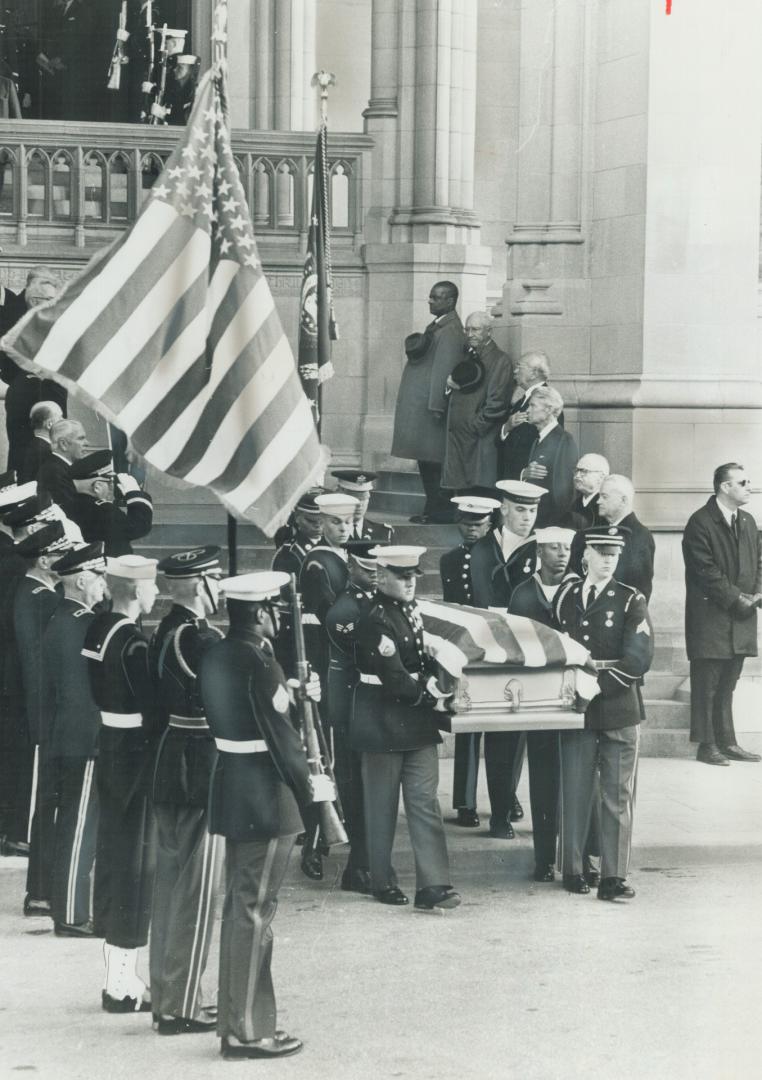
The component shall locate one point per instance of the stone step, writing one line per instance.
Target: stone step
(400, 480)
(661, 684)
(397, 502)
(666, 714)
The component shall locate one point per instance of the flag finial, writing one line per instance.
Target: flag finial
(324, 79)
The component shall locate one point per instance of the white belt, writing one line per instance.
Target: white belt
(121, 720)
(194, 723)
(371, 680)
(242, 746)
(308, 619)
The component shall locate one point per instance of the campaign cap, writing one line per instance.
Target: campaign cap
(355, 479)
(132, 567)
(474, 507)
(401, 559)
(96, 466)
(255, 587)
(554, 535)
(606, 536)
(193, 562)
(86, 557)
(337, 503)
(521, 491)
(44, 541)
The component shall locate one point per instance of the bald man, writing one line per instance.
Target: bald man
(479, 391)
(589, 473)
(42, 417)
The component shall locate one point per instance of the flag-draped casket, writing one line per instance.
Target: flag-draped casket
(507, 673)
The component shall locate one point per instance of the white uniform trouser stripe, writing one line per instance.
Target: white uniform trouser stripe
(76, 847)
(201, 928)
(33, 799)
(255, 968)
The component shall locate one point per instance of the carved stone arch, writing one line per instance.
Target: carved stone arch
(95, 173)
(263, 192)
(118, 186)
(62, 176)
(8, 181)
(38, 183)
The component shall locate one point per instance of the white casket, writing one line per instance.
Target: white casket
(490, 697)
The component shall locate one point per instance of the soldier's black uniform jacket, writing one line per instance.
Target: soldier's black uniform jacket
(290, 556)
(341, 622)
(455, 572)
(75, 718)
(323, 576)
(33, 606)
(12, 570)
(494, 578)
(186, 755)
(393, 710)
(528, 599)
(616, 628)
(114, 526)
(374, 530)
(256, 793)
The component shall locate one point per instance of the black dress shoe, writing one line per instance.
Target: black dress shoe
(575, 883)
(36, 907)
(735, 753)
(614, 888)
(501, 830)
(436, 898)
(262, 1048)
(123, 1005)
(517, 810)
(590, 874)
(356, 880)
(468, 818)
(544, 872)
(183, 1025)
(710, 755)
(82, 930)
(311, 863)
(391, 895)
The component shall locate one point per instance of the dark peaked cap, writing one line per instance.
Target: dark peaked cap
(194, 562)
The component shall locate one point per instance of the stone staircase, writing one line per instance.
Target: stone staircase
(182, 519)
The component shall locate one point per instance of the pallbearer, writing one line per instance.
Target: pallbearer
(188, 858)
(117, 655)
(73, 743)
(261, 782)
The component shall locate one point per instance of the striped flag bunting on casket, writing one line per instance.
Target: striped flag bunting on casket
(172, 335)
(457, 635)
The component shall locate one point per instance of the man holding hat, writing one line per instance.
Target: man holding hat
(187, 857)
(533, 599)
(611, 620)
(394, 729)
(117, 655)
(94, 508)
(73, 741)
(34, 602)
(359, 484)
(419, 419)
(472, 516)
(261, 782)
(341, 622)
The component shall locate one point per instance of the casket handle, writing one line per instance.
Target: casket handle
(512, 694)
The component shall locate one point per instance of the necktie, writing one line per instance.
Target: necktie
(734, 525)
(592, 592)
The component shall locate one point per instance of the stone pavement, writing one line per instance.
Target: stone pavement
(523, 981)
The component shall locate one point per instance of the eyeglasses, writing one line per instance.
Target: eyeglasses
(577, 469)
(740, 483)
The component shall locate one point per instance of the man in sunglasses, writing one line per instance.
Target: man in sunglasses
(723, 578)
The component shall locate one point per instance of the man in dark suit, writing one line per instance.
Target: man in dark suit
(517, 435)
(552, 457)
(359, 484)
(723, 579)
(419, 419)
(611, 620)
(42, 417)
(261, 782)
(589, 473)
(68, 443)
(636, 561)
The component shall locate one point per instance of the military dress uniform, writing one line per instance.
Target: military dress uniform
(117, 656)
(394, 729)
(323, 577)
(616, 628)
(188, 858)
(260, 783)
(72, 747)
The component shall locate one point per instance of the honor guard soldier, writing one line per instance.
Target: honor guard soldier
(394, 729)
(611, 620)
(187, 857)
(95, 509)
(117, 655)
(261, 782)
(499, 562)
(73, 743)
(472, 517)
(323, 577)
(359, 485)
(341, 623)
(34, 602)
(533, 599)
(300, 536)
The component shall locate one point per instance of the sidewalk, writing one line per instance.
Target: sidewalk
(522, 981)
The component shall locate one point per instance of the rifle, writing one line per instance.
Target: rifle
(331, 826)
(119, 57)
(148, 86)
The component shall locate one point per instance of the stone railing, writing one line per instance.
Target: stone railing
(74, 186)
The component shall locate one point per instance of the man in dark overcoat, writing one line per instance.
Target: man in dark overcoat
(552, 457)
(517, 435)
(419, 419)
(589, 473)
(478, 405)
(723, 580)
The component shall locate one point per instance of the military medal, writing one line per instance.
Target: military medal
(609, 617)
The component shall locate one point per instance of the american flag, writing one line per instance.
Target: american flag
(172, 335)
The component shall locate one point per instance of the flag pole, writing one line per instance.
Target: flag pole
(219, 60)
(324, 79)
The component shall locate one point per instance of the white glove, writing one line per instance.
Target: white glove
(323, 788)
(441, 696)
(127, 483)
(311, 687)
